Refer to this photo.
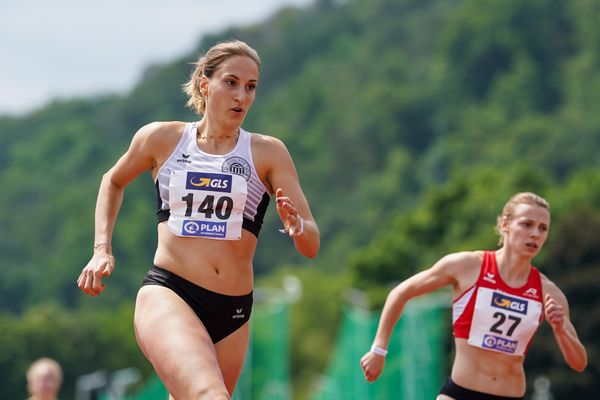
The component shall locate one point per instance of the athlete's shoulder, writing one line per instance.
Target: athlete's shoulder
(162, 129)
(462, 267)
(463, 259)
(266, 141)
(159, 135)
(269, 148)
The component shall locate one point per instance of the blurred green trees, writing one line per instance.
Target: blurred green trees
(411, 122)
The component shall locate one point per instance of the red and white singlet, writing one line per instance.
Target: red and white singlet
(494, 316)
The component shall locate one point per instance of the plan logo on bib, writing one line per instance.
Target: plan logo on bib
(204, 229)
(500, 344)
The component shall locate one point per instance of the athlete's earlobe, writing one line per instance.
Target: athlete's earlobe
(204, 86)
(504, 224)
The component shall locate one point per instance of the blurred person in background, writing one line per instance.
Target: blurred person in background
(213, 182)
(499, 300)
(44, 379)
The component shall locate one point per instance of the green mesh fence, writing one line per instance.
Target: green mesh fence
(265, 375)
(414, 365)
(266, 371)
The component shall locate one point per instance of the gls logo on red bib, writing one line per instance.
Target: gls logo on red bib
(509, 303)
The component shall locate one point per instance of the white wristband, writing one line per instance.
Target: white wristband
(379, 351)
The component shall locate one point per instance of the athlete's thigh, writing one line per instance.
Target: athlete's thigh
(231, 352)
(176, 343)
(443, 397)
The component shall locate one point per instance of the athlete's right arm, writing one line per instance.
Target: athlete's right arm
(144, 150)
(444, 272)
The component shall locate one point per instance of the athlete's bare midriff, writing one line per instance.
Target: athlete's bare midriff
(488, 371)
(222, 266)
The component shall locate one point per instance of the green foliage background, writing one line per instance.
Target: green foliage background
(410, 121)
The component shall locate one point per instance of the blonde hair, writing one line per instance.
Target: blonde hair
(519, 198)
(208, 63)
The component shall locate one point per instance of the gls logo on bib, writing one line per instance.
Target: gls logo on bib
(208, 181)
(509, 303)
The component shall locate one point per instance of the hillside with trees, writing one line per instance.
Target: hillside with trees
(411, 122)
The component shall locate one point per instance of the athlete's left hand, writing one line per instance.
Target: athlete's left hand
(372, 365)
(292, 222)
(554, 313)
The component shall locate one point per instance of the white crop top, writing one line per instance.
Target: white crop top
(211, 195)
